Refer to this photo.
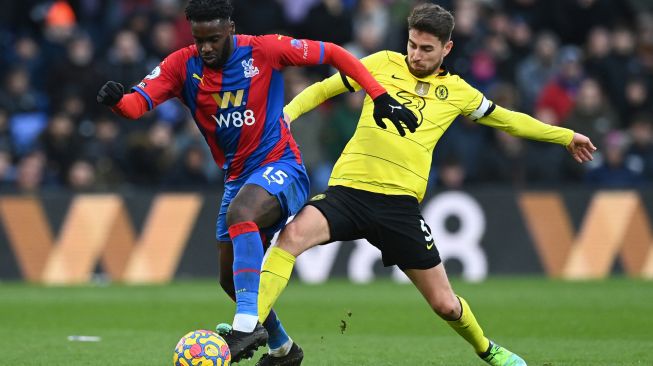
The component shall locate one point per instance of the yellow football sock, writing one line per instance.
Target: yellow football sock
(275, 273)
(468, 328)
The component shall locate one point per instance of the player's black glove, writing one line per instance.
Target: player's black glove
(386, 107)
(110, 93)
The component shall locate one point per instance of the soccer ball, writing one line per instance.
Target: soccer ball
(201, 348)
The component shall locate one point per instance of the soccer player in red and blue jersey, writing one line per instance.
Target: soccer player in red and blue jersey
(233, 86)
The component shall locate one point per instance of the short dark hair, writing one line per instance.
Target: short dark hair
(207, 10)
(433, 19)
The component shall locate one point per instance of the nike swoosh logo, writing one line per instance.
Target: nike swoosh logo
(429, 246)
(396, 77)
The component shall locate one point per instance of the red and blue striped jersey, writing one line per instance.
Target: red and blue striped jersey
(238, 108)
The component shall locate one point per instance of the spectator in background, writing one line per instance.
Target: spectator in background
(592, 113)
(167, 9)
(189, 135)
(76, 77)
(27, 53)
(26, 108)
(484, 62)
(339, 126)
(368, 38)
(61, 146)
(506, 41)
(625, 68)
(574, 19)
(636, 99)
(172, 113)
(612, 170)
(31, 172)
(95, 18)
(19, 95)
(107, 150)
(258, 17)
(162, 42)
(559, 94)
(188, 171)
(81, 176)
(72, 105)
(372, 16)
(538, 14)
(296, 10)
(639, 156)
(465, 36)
(451, 174)
(59, 25)
(520, 37)
(126, 59)
(505, 158)
(645, 44)
(328, 20)
(150, 154)
(510, 46)
(139, 23)
(598, 64)
(332, 21)
(465, 142)
(536, 70)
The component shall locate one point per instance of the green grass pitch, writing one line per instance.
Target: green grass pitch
(550, 323)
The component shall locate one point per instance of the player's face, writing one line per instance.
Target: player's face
(425, 53)
(213, 41)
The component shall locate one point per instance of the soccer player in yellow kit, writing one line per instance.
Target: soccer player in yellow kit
(380, 178)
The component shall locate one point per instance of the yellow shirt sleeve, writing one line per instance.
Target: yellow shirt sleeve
(314, 95)
(517, 124)
(522, 125)
(317, 93)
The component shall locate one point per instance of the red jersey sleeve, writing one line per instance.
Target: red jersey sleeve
(286, 51)
(165, 81)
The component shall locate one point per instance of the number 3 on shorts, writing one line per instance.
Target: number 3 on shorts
(277, 177)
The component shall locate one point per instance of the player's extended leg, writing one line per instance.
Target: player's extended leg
(308, 229)
(277, 334)
(267, 199)
(434, 286)
(252, 208)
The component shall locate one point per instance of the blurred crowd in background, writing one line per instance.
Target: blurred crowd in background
(582, 64)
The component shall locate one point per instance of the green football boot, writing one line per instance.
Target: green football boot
(499, 356)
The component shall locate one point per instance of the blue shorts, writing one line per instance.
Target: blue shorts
(286, 180)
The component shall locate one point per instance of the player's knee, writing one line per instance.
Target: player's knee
(447, 308)
(291, 239)
(239, 213)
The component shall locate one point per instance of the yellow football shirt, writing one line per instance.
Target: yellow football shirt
(380, 160)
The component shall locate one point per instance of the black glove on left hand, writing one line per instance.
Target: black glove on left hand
(387, 107)
(110, 93)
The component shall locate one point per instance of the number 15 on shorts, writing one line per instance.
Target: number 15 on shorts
(276, 177)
